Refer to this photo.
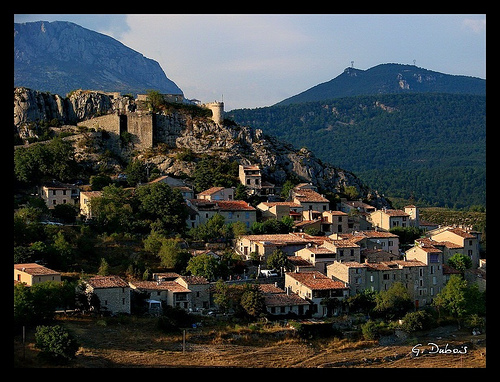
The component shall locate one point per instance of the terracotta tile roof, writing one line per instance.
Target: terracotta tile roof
(289, 204)
(159, 286)
(91, 194)
(306, 195)
(276, 238)
(315, 280)
(274, 296)
(430, 242)
(211, 191)
(195, 280)
(106, 282)
(221, 205)
(462, 233)
(395, 212)
(35, 269)
(375, 234)
(299, 261)
(234, 205)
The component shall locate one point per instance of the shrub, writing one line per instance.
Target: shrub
(370, 330)
(56, 343)
(413, 321)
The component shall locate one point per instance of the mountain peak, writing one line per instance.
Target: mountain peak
(389, 78)
(61, 56)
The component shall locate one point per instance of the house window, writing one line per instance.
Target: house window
(433, 258)
(54, 192)
(385, 276)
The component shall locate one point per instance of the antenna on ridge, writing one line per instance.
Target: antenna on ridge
(414, 62)
(352, 64)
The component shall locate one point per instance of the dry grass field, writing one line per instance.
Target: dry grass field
(138, 344)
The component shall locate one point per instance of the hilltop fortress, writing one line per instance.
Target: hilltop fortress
(145, 128)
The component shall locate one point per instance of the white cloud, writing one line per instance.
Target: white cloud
(475, 25)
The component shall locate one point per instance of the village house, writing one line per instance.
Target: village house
(200, 291)
(380, 276)
(264, 245)
(278, 210)
(112, 291)
(56, 193)
(201, 210)
(185, 189)
(334, 222)
(281, 303)
(217, 193)
(33, 273)
(438, 272)
(358, 214)
(386, 241)
(251, 177)
(467, 242)
(86, 202)
(171, 293)
(310, 200)
(320, 256)
(386, 219)
(316, 288)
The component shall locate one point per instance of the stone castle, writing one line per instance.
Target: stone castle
(148, 129)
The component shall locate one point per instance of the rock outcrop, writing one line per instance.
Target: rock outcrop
(181, 132)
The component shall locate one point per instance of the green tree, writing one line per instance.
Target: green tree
(460, 262)
(172, 255)
(56, 343)
(98, 182)
(49, 160)
(103, 268)
(252, 300)
(393, 303)
(362, 301)
(414, 321)
(137, 172)
(215, 172)
(155, 100)
(459, 299)
(161, 204)
(277, 260)
(204, 265)
(112, 212)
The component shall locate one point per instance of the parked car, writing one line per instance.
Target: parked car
(268, 272)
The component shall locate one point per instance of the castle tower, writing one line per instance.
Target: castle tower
(217, 111)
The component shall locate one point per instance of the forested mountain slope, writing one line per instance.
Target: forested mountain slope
(428, 146)
(389, 79)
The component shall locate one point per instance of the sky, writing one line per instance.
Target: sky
(257, 60)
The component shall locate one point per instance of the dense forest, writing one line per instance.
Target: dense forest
(428, 147)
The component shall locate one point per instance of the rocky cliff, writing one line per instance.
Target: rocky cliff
(182, 132)
(60, 57)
